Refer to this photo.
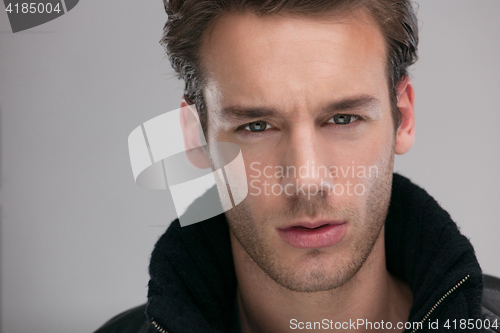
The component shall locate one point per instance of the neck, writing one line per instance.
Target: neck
(372, 295)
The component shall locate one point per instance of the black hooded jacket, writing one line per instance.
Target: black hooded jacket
(193, 284)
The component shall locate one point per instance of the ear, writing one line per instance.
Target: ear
(191, 131)
(406, 105)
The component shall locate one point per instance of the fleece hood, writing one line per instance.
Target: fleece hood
(193, 283)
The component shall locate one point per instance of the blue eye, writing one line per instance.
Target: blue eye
(343, 119)
(257, 126)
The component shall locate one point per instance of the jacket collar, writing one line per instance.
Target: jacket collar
(193, 283)
(425, 248)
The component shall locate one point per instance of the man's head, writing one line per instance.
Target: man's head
(308, 93)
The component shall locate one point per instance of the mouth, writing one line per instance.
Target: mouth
(305, 235)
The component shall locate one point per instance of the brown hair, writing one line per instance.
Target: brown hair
(189, 20)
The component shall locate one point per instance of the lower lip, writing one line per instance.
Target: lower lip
(305, 238)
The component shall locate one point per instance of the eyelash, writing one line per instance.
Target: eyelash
(342, 126)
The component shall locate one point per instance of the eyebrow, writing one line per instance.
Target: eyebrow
(352, 103)
(343, 105)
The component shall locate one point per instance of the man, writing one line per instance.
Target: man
(320, 86)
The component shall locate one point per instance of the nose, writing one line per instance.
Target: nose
(306, 162)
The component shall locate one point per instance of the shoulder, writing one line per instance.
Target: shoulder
(490, 305)
(130, 321)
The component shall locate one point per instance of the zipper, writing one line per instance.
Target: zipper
(440, 301)
(158, 327)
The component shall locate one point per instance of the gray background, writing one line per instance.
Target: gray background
(76, 233)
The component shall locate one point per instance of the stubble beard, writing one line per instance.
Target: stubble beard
(317, 270)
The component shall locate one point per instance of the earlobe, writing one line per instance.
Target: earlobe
(405, 136)
(191, 132)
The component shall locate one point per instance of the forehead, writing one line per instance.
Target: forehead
(276, 59)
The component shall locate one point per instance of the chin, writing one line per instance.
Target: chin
(315, 271)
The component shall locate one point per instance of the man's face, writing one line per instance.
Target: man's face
(306, 100)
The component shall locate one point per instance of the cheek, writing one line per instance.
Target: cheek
(263, 182)
(362, 167)
(377, 146)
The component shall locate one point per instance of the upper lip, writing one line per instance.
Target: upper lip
(313, 224)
